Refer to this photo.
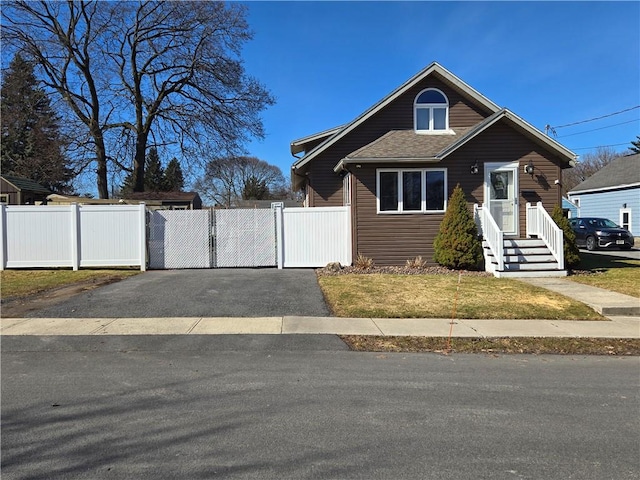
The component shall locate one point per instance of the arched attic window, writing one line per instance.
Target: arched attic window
(431, 111)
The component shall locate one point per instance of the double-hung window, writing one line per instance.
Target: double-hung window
(431, 112)
(411, 190)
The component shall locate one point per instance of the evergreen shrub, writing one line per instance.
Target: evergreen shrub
(457, 244)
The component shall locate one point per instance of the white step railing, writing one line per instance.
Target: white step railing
(541, 225)
(491, 233)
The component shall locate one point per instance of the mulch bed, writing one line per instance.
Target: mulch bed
(333, 270)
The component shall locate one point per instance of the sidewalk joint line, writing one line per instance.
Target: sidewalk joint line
(102, 327)
(196, 323)
(462, 321)
(24, 320)
(379, 329)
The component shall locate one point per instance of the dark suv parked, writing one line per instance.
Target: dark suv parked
(594, 233)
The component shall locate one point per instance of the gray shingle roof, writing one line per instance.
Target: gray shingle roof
(622, 171)
(24, 184)
(399, 144)
(163, 196)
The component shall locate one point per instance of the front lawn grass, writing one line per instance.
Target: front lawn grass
(559, 346)
(22, 283)
(613, 273)
(433, 296)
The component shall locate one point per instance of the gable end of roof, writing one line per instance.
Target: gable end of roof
(434, 67)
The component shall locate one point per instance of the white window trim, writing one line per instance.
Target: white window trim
(4, 198)
(622, 212)
(346, 189)
(423, 209)
(430, 106)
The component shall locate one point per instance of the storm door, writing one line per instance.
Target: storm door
(501, 195)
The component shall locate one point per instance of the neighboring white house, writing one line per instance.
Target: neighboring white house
(612, 192)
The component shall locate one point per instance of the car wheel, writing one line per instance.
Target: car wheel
(625, 247)
(592, 243)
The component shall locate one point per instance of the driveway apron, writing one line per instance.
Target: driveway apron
(237, 292)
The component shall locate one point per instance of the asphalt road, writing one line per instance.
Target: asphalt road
(633, 254)
(221, 292)
(298, 407)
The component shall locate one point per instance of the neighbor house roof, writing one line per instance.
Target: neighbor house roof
(24, 184)
(163, 196)
(623, 172)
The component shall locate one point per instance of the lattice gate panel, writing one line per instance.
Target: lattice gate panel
(180, 239)
(245, 238)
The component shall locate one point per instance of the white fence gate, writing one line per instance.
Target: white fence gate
(212, 238)
(245, 238)
(289, 238)
(180, 239)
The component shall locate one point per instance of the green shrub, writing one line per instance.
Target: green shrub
(570, 249)
(457, 244)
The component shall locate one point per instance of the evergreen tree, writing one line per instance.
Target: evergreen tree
(32, 146)
(154, 173)
(127, 186)
(173, 178)
(570, 249)
(635, 145)
(457, 244)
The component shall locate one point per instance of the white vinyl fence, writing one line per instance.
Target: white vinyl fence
(72, 236)
(116, 235)
(314, 237)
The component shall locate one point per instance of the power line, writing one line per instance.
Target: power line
(594, 129)
(596, 118)
(600, 146)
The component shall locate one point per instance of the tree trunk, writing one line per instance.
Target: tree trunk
(138, 163)
(101, 166)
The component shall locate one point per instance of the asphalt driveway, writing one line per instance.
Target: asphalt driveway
(240, 292)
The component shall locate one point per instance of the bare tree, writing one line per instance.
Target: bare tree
(61, 40)
(589, 164)
(229, 179)
(168, 73)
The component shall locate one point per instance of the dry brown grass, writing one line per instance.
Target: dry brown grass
(610, 272)
(22, 283)
(434, 296)
(560, 346)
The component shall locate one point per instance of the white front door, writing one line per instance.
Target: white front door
(501, 195)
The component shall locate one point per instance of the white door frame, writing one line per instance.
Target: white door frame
(628, 212)
(513, 191)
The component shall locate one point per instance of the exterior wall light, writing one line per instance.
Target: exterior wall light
(474, 168)
(528, 168)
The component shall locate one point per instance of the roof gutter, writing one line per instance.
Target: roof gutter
(342, 164)
(604, 189)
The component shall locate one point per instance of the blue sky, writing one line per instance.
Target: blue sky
(551, 63)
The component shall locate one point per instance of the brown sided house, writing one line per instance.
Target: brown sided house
(397, 164)
(21, 191)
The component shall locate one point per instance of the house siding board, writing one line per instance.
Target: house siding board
(500, 143)
(392, 239)
(608, 205)
(327, 185)
(7, 189)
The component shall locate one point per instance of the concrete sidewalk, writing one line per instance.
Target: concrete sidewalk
(623, 312)
(618, 327)
(605, 302)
